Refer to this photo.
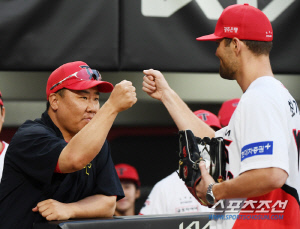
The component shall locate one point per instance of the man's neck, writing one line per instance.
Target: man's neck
(253, 69)
(67, 136)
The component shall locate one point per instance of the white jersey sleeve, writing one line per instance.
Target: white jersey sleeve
(263, 126)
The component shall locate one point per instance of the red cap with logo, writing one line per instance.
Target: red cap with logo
(76, 76)
(1, 101)
(128, 172)
(209, 118)
(244, 22)
(226, 111)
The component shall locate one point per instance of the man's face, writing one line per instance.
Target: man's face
(228, 63)
(2, 116)
(131, 194)
(75, 109)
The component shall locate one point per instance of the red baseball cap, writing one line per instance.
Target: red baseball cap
(1, 101)
(242, 21)
(209, 118)
(76, 76)
(128, 172)
(226, 111)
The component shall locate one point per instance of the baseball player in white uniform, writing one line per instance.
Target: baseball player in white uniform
(162, 201)
(262, 139)
(3, 144)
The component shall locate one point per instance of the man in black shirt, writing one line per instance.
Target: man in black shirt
(59, 166)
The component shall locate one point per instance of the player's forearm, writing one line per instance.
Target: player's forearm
(251, 183)
(96, 206)
(87, 143)
(183, 117)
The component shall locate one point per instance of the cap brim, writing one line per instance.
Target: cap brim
(103, 86)
(210, 37)
(216, 126)
(131, 180)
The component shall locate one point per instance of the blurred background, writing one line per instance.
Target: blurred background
(121, 38)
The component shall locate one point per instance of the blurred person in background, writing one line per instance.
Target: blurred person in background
(3, 144)
(131, 184)
(178, 201)
(226, 111)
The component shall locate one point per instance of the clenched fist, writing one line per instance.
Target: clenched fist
(155, 84)
(123, 96)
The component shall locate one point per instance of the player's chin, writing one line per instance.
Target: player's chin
(122, 205)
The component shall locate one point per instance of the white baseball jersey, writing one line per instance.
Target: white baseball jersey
(171, 196)
(2, 155)
(264, 132)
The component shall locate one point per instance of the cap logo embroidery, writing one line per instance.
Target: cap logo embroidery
(121, 171)
(228, 29)
(203, 116)
(269, 34)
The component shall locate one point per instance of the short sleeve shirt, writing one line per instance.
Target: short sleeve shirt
(29, 177)
(262, 133)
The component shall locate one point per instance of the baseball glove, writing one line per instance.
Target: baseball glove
(192, 150)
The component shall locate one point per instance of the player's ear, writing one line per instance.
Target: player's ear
(137, 193)
(53, 101)
(236, 45)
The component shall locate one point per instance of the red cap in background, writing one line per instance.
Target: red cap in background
(209, 118)
(226, 111)
(128, 172)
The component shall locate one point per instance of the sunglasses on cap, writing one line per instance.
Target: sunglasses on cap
(84, 74)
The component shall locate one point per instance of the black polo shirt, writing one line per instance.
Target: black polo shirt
(28, 175)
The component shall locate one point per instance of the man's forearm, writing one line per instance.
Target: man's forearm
(251, 183)
(183, 117)
(82, 148)
(95, 206)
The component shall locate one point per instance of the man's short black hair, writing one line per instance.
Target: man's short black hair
(61, 92)
(256, 47)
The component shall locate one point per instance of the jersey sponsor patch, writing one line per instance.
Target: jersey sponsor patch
(257, 148)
